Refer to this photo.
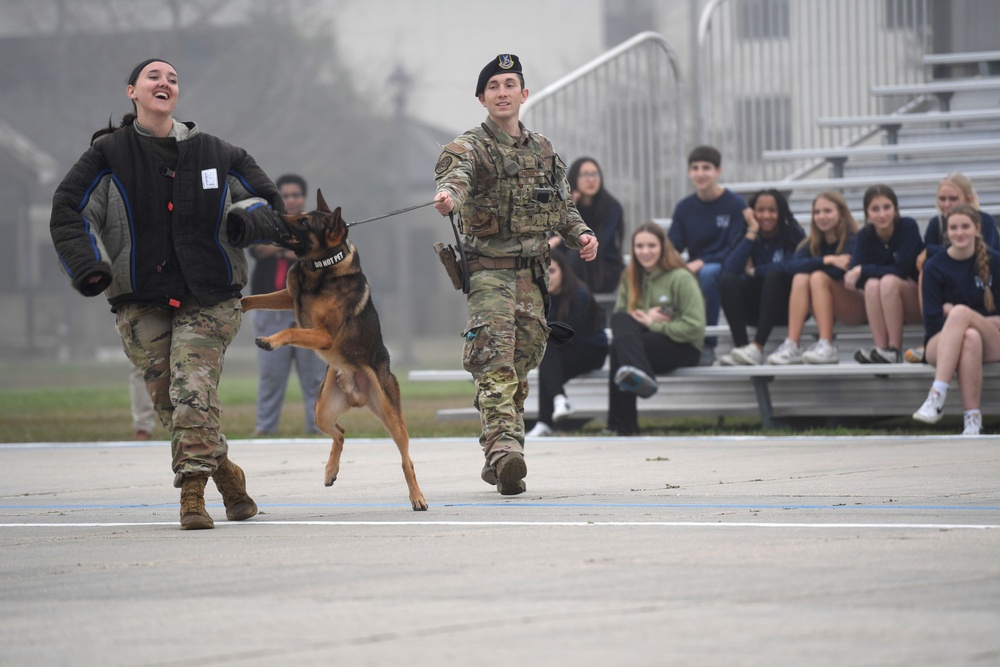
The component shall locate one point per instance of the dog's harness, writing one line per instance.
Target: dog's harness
(336, 256)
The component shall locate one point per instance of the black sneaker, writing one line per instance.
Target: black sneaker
(864, 356)
(886, 355)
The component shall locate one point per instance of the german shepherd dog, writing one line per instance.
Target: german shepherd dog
(335, 316)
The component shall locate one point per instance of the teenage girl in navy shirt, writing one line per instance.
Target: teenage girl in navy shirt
(755, 285)
(961, 289)
(953, 190)
(817, 271)
(884, 268)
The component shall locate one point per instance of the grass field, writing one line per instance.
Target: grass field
(88, 401)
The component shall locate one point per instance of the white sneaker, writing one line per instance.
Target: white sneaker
(561, 409)
(973, 423)
(748, 355)
(821, 352)
(726, 360)
(541, 430)
(932, 410)
(787, 353)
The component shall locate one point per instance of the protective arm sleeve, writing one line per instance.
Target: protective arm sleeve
(79, 209)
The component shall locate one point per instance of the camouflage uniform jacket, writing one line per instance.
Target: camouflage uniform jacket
(493, 179)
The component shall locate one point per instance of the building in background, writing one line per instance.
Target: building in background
(359, 95)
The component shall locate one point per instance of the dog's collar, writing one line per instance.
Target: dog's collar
(336, 256)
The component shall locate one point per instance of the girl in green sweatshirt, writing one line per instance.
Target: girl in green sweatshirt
(658, 324)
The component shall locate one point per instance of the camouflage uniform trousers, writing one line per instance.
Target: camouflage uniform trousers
(504, 340)
(180, 352)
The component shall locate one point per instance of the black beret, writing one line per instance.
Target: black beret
(505, 62)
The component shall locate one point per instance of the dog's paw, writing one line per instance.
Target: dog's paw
(263, 344)
(328, 481)
(419, 505)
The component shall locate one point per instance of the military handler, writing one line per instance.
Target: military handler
(509, 189)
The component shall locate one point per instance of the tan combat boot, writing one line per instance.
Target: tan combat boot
(193, 514)
(511, 471)
(232, 484)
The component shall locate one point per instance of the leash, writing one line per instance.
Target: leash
(389, 215)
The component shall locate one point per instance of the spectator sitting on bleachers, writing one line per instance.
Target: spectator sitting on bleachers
(604, 215)
(953, 190)
(962, 329)
(755, 285)
(658, 324)
(707, 224)
(573, 304)
(884, 268)
(817, 271)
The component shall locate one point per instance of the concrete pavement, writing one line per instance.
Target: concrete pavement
(693, 551)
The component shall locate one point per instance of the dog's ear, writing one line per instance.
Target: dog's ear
(321, 203)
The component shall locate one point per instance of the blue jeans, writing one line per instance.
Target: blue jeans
(276, 365)
(709, 277)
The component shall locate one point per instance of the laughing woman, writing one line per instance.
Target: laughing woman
(658, 324)
(154, 216)
(961, 289)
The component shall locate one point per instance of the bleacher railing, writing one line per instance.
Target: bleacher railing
(626, 110)
(767, 69)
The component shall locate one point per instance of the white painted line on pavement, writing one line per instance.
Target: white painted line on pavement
(631, 524)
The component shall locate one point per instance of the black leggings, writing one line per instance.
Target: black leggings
(634, 345)
(561, 364)
(762, 302)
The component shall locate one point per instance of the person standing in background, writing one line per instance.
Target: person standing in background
(143, 412)
(269, 274)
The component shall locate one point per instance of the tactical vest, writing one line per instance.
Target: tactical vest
(525, 197)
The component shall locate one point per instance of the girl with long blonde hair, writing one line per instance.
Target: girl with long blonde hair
(961, 289)
(817, 270)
